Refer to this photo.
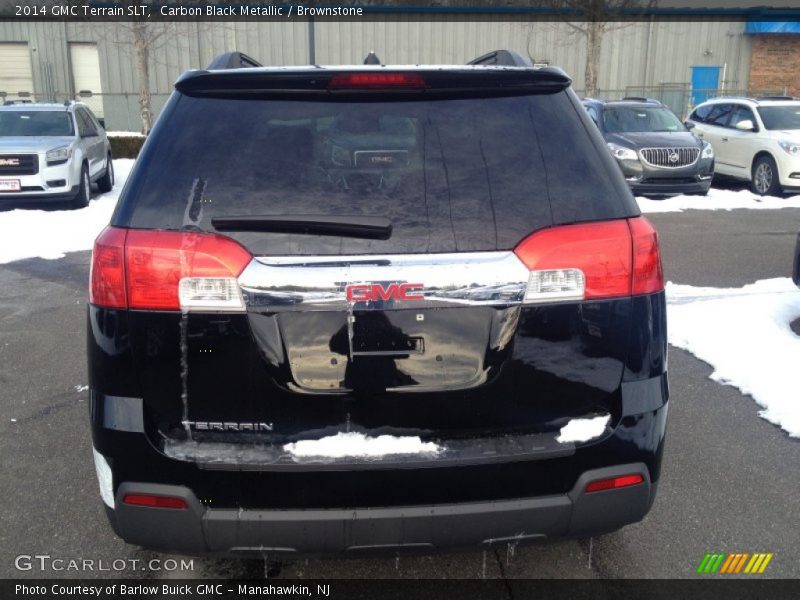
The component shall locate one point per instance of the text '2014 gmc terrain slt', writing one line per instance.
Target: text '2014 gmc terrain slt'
(367, 308)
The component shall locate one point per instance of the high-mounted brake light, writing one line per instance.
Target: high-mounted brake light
(613, 483)
(167, 270)
(590, 261)
(154, 501)
(376, 81)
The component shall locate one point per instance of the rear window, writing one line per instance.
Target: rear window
(470, 174)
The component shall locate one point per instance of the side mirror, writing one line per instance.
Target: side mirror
(689, 125)
(90, 133)
(746, 125)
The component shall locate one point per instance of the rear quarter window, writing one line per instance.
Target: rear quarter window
(469, 174)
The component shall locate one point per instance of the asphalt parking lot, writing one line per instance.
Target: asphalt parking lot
(729, 479)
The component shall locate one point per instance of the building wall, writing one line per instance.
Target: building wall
(635, 57)
(775, 63)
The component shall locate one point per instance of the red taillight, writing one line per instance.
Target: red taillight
(155, 262)
(648, 275)
(608, 259)
(153, 501)
(614, 483)
(376, 80)
(602, 251)
(107, 272)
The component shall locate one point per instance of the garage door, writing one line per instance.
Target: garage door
(86, 75)
(15, 72)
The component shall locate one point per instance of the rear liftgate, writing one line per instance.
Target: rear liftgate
(280, 349)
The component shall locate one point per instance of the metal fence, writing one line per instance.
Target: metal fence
(680, 97)
(117, 111)
(120, 111)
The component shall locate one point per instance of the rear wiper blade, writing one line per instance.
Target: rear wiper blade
(371, 228)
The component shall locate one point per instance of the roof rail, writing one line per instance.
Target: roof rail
(504, 58)
(233, 60)
(775, 98)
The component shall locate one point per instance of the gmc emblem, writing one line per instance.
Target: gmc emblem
(9, 162)
(372, 292)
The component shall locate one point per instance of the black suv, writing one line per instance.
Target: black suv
(367, 308)
(658, 155)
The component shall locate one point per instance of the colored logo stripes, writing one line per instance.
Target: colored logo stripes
(734, 563)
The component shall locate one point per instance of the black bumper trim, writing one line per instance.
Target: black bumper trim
(697, 187)
(644, 395)
(230, 532)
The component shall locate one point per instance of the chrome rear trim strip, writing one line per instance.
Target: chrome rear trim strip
(321, 282)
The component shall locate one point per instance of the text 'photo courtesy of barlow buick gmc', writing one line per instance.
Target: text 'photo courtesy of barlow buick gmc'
(352, 309)
(657, 154)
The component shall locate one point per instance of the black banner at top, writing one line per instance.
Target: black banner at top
(225, 10)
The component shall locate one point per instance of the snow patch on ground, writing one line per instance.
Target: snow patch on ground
(124, 134)
(358, 444)
(744, 334)
(52, 233)
(583, 430)
(717, 200)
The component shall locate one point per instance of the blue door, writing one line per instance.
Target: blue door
(704, 81)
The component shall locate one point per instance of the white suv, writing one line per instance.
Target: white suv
(755, 139)
(53, 152)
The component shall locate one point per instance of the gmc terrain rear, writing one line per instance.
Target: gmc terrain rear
(368, 308)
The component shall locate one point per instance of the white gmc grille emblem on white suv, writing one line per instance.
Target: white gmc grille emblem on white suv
(9, 162)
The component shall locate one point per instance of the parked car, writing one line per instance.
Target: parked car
(656, 152)
(796, 269)
(53, 152)
(359, 309)
(754, 139)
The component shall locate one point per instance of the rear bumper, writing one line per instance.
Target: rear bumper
(230, 532)
(334, 512)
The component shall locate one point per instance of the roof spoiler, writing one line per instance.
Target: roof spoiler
(233, 60)
(502, 58)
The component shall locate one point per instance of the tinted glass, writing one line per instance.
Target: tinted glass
(35, 123)
(592, 113)
(701, 114)
(451, 175)
(625, 119)
(85, 125)
(741, 113)
(780, 117)
(719, 114)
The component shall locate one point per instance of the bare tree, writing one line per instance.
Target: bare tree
(143, 37)
(592, 19)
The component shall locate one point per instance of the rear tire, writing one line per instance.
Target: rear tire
(764, 177)
(106, 182)
(84, 191)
